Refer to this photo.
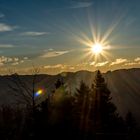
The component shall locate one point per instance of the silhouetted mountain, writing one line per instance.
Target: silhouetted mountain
(124, 85)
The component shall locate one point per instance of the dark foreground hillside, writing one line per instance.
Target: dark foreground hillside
(81, 105)
(85, 111)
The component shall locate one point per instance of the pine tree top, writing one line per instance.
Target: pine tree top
(99, 80)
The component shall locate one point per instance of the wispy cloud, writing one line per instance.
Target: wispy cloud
(49, 54)
(101, 64)
(137, 59)
(51, 49)
(81, 4)
(131, 63)
(34, 33)
(11, 60)
(25, 58)
(130, 21)
(75, 5)
(58, 68)
(2, 15)
(6, 46)
(1, 63)
(92, 63)
(15, 63)
(118, 61)
(5, 27)
(53, 66)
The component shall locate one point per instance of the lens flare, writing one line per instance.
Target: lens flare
(39, 92)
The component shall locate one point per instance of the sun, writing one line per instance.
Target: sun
(97, 48)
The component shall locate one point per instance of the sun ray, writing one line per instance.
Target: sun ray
(99, 39)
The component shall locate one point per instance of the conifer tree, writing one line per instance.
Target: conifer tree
(81, 109)
(131, 126)
(105, 117)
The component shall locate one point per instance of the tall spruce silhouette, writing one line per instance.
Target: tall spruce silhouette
(105, 116)
(131, 125)
(81, 110)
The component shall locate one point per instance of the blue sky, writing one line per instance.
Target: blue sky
(46, 33)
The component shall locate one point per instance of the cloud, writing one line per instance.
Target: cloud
(101, 64)
(1, 64)
(11, 60)
(51, 49)
(4, 27)
(22, 61)
(118, 61)
(92, 63)
(81, 5)
(25, 58)
(129, 21)
(16, 59)
(53, 66)
(75, 5)
(15, 63)
(137, 59)
(53, 54)
(34, 33)
(3, 59)
(131, 64)
(6, 46)
(72, 68)
(2, 15)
